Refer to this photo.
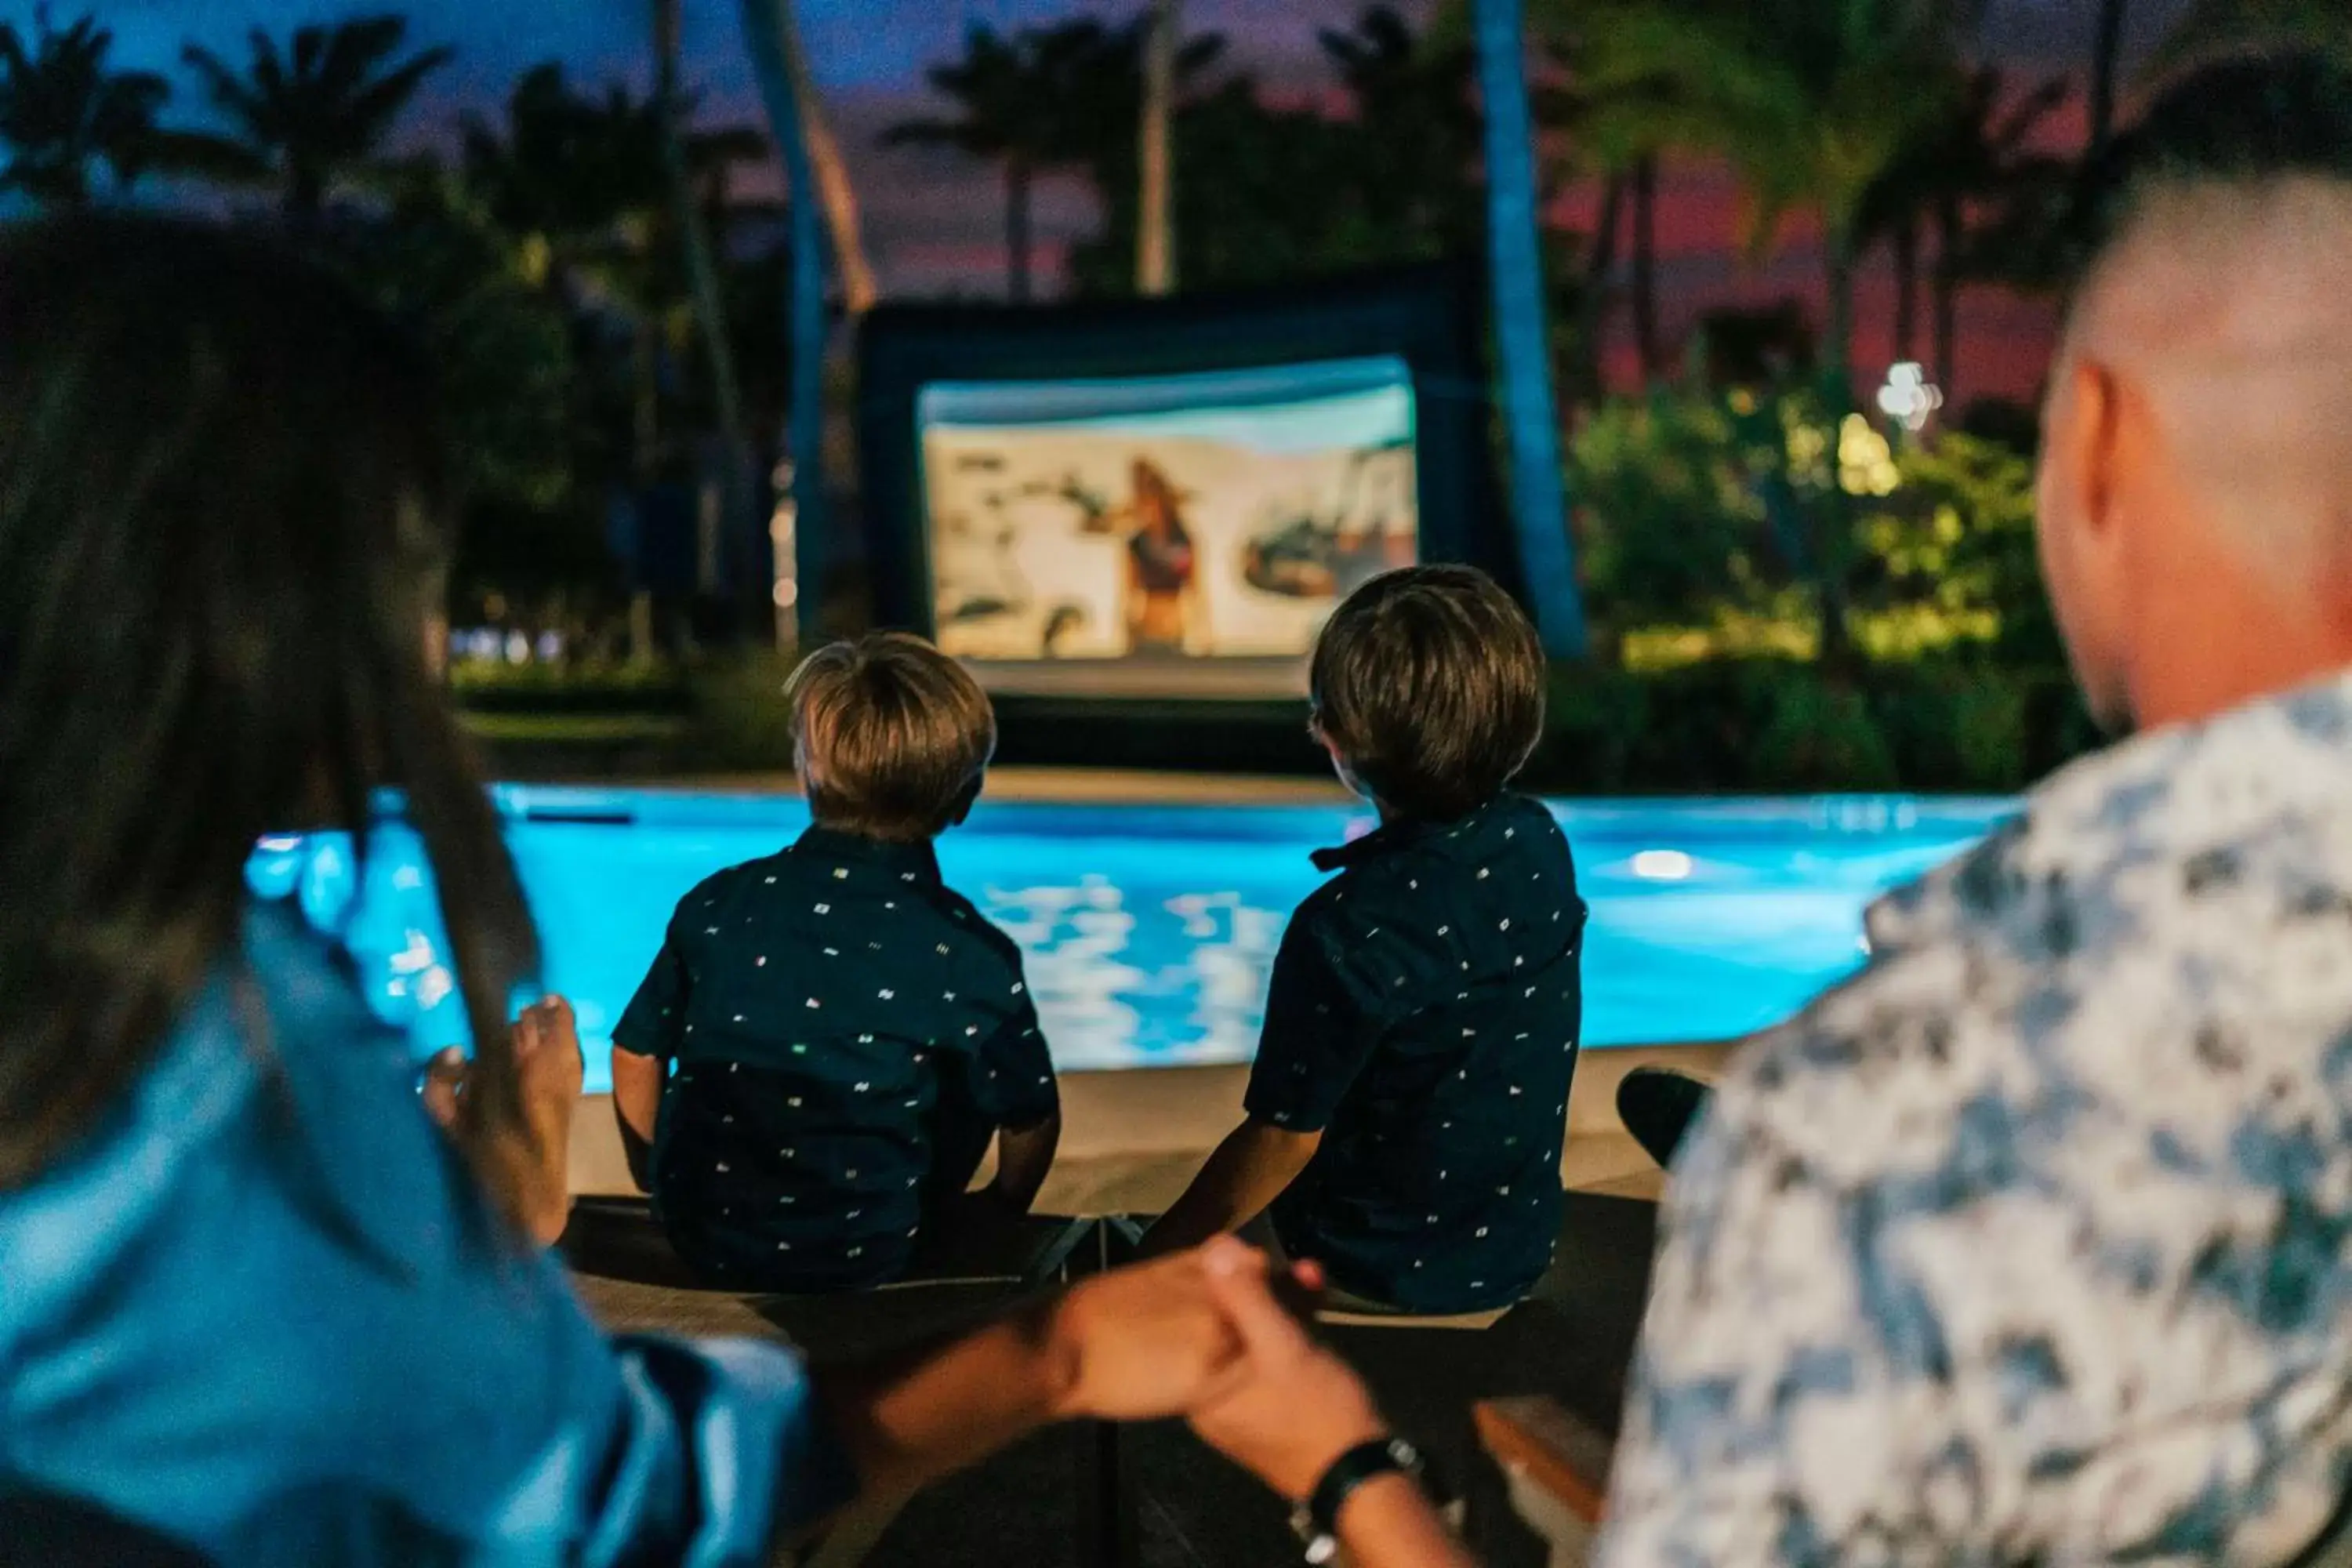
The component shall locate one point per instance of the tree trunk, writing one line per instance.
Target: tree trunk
(775, 41)
(1907, 288)
(2106, 47)
(1155, 232)
(306, 195)
(1644, 284)
(645, 368)
(767, 26)
(1515, 254)
(1832, 551)
(1016, 229)
(754, 584)
(1592, 303)
(1947, 296)
(1837, 334)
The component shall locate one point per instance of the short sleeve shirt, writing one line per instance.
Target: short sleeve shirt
(842, 1032)
(1423, 1017)
(2032, 1243)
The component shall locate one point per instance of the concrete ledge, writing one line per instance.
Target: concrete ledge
(1131, 1141)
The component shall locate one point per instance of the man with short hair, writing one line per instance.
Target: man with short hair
(2034, 1241)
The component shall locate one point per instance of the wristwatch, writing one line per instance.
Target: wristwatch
(1317, 1521)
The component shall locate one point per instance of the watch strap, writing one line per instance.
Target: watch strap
(1318, 1519)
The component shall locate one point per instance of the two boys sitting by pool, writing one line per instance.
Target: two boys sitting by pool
(830, 1037)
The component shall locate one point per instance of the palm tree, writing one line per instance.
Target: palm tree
(687, 199)
(1155, 234)
(61, 111)
(568, 174)
(1810, 104)
(2106, 47)
(1013, 97)
(2207, 26)
(1979, 151)
(317, 113)
(1414, 159)
(774, 36)
(1522, 340)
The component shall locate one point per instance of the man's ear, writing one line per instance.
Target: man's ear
(2092, 434)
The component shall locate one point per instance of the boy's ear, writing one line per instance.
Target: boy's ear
(965, 799)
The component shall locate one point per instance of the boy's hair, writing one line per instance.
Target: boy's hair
(892, 736)
(1429, 683)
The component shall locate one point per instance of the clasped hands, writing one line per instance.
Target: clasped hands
(1213, 1334)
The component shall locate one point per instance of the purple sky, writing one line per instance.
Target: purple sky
(933, 220)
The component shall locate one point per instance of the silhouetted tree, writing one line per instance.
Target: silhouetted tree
(318, 112)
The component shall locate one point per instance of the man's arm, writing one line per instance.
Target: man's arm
(1248, 1171)
(1023, 1157)
(637, 1104)
(1295, 1408)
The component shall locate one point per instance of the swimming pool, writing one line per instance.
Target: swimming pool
(1147, 930)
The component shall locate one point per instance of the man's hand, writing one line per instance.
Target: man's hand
(1290, 1407)
(1141, 1342)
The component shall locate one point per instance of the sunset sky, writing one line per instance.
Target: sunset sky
(934, 220)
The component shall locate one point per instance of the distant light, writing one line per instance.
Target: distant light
(550, 646)
(1909, 398)
(280, 844)
(1663, 865)
(517, 648)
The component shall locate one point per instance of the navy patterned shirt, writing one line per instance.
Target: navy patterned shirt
(845, 1033)
(1423, 1016)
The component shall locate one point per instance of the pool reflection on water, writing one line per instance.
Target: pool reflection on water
(1149, 929)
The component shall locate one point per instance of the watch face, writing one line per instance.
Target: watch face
(1322, 1547)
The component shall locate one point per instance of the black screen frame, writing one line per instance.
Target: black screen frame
(1429, 317)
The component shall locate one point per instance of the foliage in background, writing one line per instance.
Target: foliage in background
(1728, 523)
(64, 110)
(315, 114)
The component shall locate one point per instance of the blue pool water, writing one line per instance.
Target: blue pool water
(1147, 930)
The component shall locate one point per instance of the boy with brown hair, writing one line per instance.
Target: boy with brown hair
(830, 1037)
(1407, 1108)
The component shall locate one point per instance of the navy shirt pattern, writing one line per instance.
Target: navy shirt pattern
(2032, 1243)
(845, 1035)
(1423, 1016)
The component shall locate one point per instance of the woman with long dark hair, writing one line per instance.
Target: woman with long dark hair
(251, 1296)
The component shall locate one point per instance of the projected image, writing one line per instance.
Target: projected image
(1215, 516)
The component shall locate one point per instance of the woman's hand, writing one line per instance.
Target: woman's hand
(548, 1064)
(1140, 1342)
(548, 1073)
(1291, 1407)
(548, 1069)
